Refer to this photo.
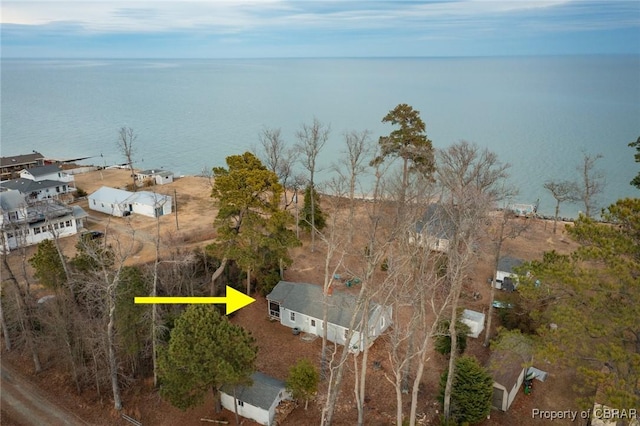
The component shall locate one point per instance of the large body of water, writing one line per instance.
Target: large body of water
(537, 113)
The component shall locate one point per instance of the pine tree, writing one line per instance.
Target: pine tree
(305, 213)
(205, 352)
(303, 380)
(472, 391)
(48, 265)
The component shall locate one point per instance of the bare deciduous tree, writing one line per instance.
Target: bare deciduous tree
(592, 182)
(501, 227)
(562, 191)
(355, 161)
(126, 141)
(278, 158)
(311, 139)
(470, 178)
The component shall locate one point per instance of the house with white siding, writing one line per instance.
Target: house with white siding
(258, 401)
(118, 202)
(24, 223)
(48, 172)
(38, 190)
(300, 305)
(506, 277)
(434, 230)
(157, 176)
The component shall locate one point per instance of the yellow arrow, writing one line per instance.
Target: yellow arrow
(234, 300)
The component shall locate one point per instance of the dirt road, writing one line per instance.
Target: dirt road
(23, 404)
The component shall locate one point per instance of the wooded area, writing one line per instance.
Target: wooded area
(579, 309)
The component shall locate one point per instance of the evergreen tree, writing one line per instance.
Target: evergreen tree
(303, 380)
(249, 218)
(472, 391)
(593, 298)
(305, 213)
(443, 341)
(205, 351)
(48, 265)
(636, 144)
(409, 143)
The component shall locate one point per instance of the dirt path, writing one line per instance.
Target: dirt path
(23, 404)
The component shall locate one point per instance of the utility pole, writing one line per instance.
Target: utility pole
(175, 203)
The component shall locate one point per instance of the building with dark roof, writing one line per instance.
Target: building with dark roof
(300, 306)
(258, 401)
(10, 167)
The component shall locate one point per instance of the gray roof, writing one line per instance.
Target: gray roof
(436, 222)
(507, 263)
(505, 366)
(119, 196)
(156, 172)
(11, 200)
(262, 393)
(44, 170)
(27, 186)
(79, 212)
(21, 159)
(110, 195)
(307, 299)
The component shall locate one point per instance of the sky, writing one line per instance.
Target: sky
(304, 28)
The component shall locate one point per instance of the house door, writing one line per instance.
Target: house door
(312, 326)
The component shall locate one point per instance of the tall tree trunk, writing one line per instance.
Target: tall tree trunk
(457, 286)
(24, 307)
(313, 216)
(113, 361)
(216, 275)
(555, 218)
(5, 328)
(496, 260)
(248, 281)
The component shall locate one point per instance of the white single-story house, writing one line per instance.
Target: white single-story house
(299, 305)
(158, 176)
(508, 370)
(118, 202)
(434, 230)
(475, 321)
(506, 278)
(257, 402)
(48, 172)
(24, 224)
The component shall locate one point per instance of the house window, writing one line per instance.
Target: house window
(346, 331)
(240, 403)
(313, 323)
(13, 215)
(61, 225)
(292, 316)
(94, 202)
(55, 226)
(68, 223)
(36, 230)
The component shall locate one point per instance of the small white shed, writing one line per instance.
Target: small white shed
(257, 402)
(508, 370)
(475, 321)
